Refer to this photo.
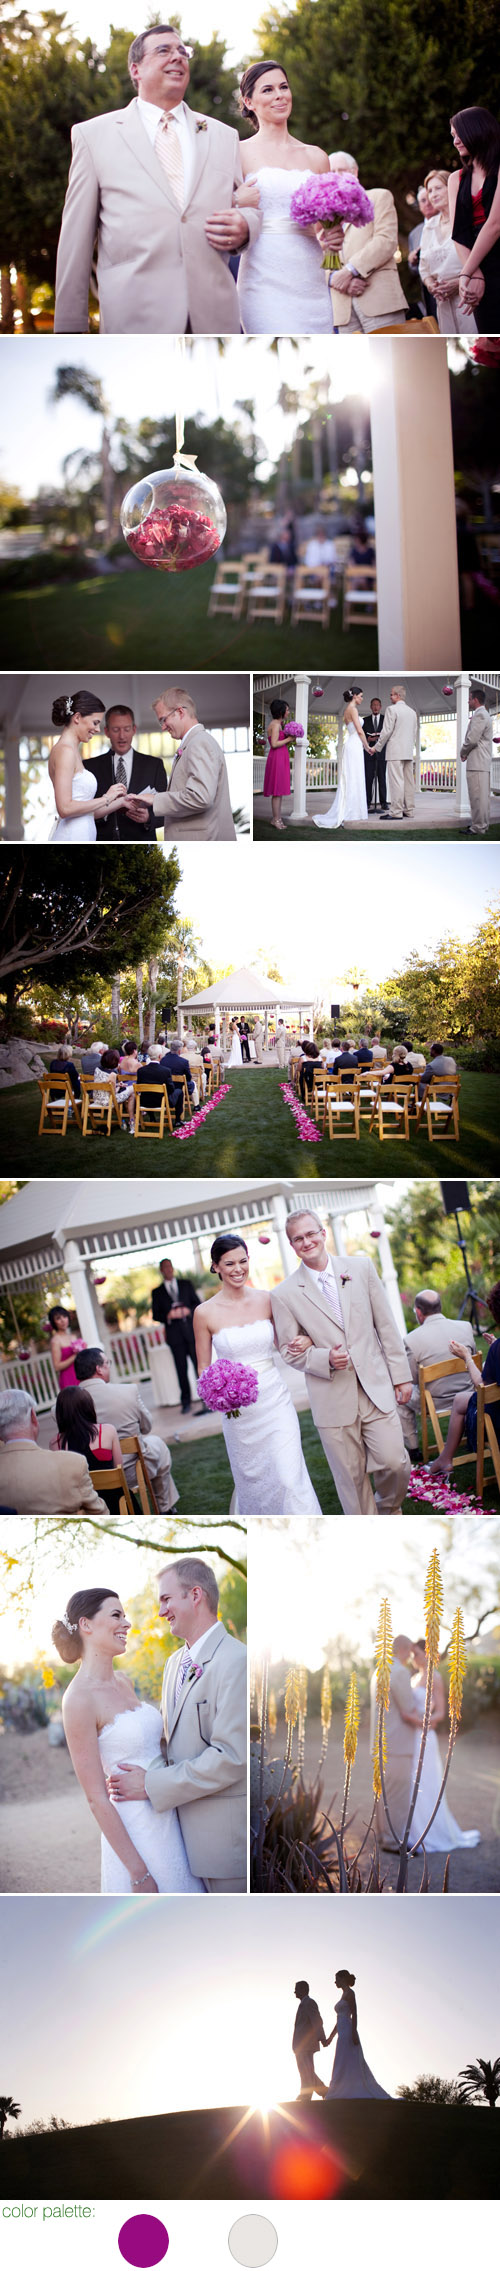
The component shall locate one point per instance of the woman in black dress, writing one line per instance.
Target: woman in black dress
(475, 214)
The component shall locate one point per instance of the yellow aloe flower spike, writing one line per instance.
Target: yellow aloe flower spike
(384, 1654)
(377, 1779)
(302, 1690)
(291, 1698)
(433, 1607)
(272, 1715)
(326, 1701)
(458, 1666)
(351, 1722)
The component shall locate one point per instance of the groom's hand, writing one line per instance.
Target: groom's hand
(333, 238)
(127, 1781)
(338, 1358)
(227, 231)
(403, 1393)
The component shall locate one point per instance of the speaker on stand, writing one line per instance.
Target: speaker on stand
(455, 1197)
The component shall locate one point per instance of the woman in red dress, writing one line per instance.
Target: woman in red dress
(277, 773)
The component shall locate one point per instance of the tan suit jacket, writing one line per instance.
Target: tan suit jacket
(156, 269)
(198, 804)
(204, 1774)
(46, 1482)
(430, 1344)
(370, 1333)
(400, 728)
(478, 744)
(372, 250)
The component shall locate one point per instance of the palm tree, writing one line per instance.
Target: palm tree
(481, 2081)
(71, 379)
(9, 2111)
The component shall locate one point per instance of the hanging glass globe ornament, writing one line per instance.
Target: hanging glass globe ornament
(176, 518)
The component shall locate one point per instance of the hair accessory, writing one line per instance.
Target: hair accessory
(68, 1627)
(69, 705)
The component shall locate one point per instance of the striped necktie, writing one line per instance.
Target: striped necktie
(184, 1668)
(168, 150)
(120, 774)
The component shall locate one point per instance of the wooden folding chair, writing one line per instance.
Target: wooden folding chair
(485, 1427)
(113, 1479)
(150, 1117)
(311, 597)
(132, 1449)
(390, 1111)
(227, 596)
(360, 596)
(369, 1079)
(55, 1108)
(440, 1104)
(100, 1106)
(428, 1374)
(318, 1094)
(267, 596)
(342, 1102)
(180, 1081)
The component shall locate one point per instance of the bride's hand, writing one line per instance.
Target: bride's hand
(116, 794)
(147, 1885)
(248, 192)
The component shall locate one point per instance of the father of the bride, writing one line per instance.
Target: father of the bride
(356, 1368)
(154, 183)
(121, 762)
(204, 1704)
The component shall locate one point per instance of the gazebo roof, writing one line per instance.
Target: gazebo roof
(125, 1217)
(425, 690)
(245, 989)
(222, 697)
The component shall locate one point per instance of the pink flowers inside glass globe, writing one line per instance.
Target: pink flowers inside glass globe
(174, 520)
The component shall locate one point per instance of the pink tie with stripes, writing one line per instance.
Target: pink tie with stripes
(168, 150)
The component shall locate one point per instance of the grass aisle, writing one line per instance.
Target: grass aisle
(205, 1482)
(251, 1133)
(163, 621)
(264, 833)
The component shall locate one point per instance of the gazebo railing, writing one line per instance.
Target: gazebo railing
(130, 1361)
(34, 1373)
(130, 1351)
(436, 773)
(321, 772)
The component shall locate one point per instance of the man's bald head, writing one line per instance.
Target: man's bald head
(427, 1303)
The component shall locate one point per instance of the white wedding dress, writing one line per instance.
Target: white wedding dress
(134, 1737)
(349, 803)
(445, 1832)
(264, 1446)
(282, 285)
(83, 831)
(351, 2077)
(235, 1055)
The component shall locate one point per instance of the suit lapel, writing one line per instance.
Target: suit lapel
(314, 1291)
(344, 1291)
(134, 134)
(200, 136)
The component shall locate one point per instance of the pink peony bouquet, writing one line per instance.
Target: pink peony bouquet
(228, 1387)
(293, 731)
(326, 198)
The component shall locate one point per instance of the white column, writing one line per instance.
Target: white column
(311, 1022)
(14, 830)
(389, 1275)
(180, 1022)
(90, 1318)
(302, 683)
(217, 1021)
(279, 1215)
(462, 798)
(413, 476)
(418, 751)
(338, 1233)
(265, 1028)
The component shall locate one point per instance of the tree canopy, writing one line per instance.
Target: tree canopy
(63, 918)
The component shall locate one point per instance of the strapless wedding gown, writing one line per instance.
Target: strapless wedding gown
(282, 284)
(445, 1832)
(351, 2076)
(235, 1056)
(349, 803)
(135, 1737)
(83, 831)
(264, 1446)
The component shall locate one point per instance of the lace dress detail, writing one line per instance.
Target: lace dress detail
(264, 1445)
(135, 1736)
(282, 284)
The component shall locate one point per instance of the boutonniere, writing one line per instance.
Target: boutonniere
(196, 1672)
(201, 126)
(346, 1279)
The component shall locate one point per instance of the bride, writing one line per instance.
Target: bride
(282, 284)
(263, 1445)
(351, 2077)
(235, 1054)
(445, 1832)
(349, 803)
(77, 804)
(103, 1722)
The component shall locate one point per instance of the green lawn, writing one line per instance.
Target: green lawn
(205, 1482)
(251, 1133)
(162, 621)
(264, 833)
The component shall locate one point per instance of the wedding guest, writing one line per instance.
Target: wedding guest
(425, 302)
(439, 263)
(63, 1063)
(36, 1481)
(464, 1408)
(91, 1058)
(172, 1062)
(398, 1063)
(78, 1431)
(375, 761)
(281, 1044)
(438, 1066)
(379, 1054)
(128, 1063)
(310, 1057)
(363, 1052)
(366, 291)
(431, 1343)
(477, 755)
(258, 1038)
(174, 1303)
(361, 551)
(107, 1076)
(416, 1059)
(277, 773)
(475, 214)
(119, 1404)
(150, 1075)
(321, 551)
(347, 1060)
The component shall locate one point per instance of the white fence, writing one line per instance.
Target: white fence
(34, 1373)
(321, 772)
(436, 774)
(130, 1351)
(129, 1359)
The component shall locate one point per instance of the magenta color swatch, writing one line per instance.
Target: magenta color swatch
(143, 2241)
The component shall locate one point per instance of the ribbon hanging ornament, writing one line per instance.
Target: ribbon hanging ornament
(176, 518)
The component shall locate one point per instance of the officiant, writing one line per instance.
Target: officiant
(174, 1303)
(375, 761)
(121, 762)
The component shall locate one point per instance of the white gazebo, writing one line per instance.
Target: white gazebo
(245, 990)
(222, 702)
(74, 1228)
(434, 695)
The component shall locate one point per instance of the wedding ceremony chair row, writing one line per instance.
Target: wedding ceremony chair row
(488, 1447)
(440, 1102)
(486, 1428)
(360, 596)
(150, 1117)
(132, 1449)
(57, 1102)
(100, 1106)
(311, 596)
(112, 1479)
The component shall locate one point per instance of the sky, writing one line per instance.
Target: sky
(347, 908)
(116, 2008)
(314, 1589)
(110, 1561)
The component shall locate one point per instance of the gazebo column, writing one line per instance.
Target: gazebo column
(265, 1027)
(311, 1022)
(299, 811)
(91, 1321)
(278, 1218)
(418, 751)
(389, 1273)
(413, 477)
(337, 1226)
(14, 829)
(462, 798)
(217, 1022)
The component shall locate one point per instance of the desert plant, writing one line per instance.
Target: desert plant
(9, 2111)
(480, 2082)
(429, 2089)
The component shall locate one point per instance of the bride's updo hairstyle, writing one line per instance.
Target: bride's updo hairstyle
(82, 704)
(226, 1244)
(345, 1979)
(350, 691)
(249, 81)
(66, 1635)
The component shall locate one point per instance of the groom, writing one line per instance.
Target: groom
(154, 183)
(355, 1364)
(202, 1769)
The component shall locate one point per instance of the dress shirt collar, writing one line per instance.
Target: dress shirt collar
(199, 1643)
(190, 729)
(151, 113)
